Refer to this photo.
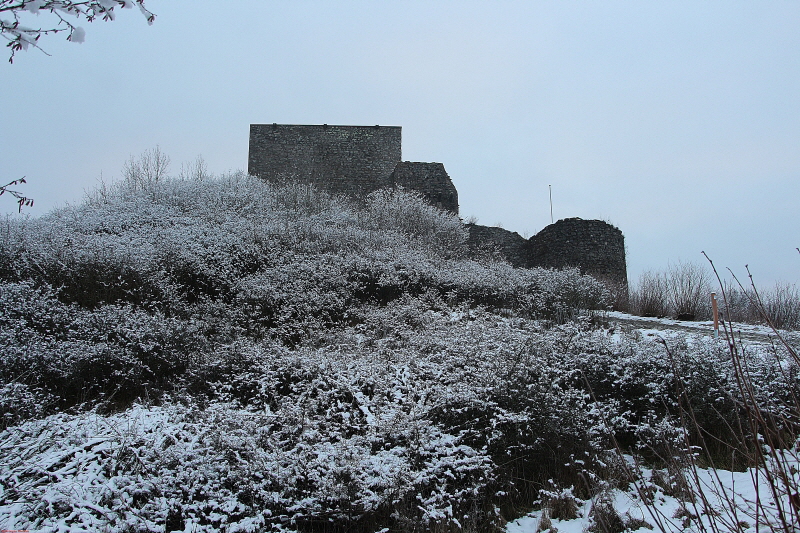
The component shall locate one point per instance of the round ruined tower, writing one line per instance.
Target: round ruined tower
(594, 246)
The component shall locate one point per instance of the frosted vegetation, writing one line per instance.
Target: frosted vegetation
(226, 355)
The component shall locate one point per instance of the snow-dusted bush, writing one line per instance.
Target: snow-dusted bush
(20, 402)
(114, 353)
(324, 438)
(284, 260)
(420, 416)
(316, 364)
(406, 211)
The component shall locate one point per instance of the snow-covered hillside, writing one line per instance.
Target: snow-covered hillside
(225, 355)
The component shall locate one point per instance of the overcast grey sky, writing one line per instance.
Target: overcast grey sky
(678, 122)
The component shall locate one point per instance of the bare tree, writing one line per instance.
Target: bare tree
(146, 170)
(60, 18)
(195, 170)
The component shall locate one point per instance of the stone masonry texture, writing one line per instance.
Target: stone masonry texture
(492, 241)
(430, 180)
(353, 160)
(596, 247)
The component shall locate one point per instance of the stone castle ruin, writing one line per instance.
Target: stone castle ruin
(595, 247)
(352, 160)
(357, 160)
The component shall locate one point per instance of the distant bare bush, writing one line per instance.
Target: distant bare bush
(649, 296)
(688, 287)
(782, 305)
(680, 292)
(736, 307)
(778, 305)
(683, 291)
(143, 172)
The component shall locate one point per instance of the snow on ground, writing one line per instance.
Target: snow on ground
(651, 326)
(721, 488)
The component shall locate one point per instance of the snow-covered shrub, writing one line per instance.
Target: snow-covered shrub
(225, 470)
(562, 294)
(12, 246)
(19, 402)
(407, 212)
(319, 365)
(113, 353)
(183, 243)
(604, 517)
(650, 387)
(538, 293)
(419, 416)
(560, 504)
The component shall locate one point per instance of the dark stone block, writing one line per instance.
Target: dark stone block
(430, 180)
(594, 246)
(497, 242)
(351, 160)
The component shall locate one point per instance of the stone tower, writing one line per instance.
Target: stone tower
(351, 160)
(594, 246)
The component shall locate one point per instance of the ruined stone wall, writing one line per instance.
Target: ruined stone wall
(492, 241)
(429, 179)
(596, 247)
(354, 160)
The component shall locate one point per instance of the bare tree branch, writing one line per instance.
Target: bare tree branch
(20, 36)
(22, 200)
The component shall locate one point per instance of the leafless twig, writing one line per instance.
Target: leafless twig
(22, 200)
